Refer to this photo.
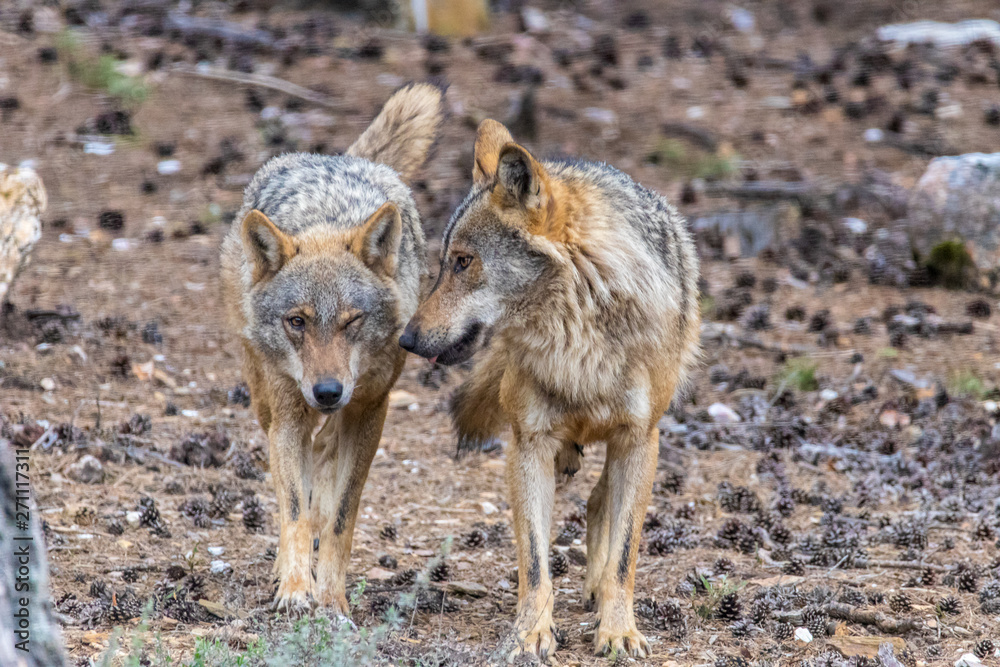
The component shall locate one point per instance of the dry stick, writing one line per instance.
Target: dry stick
(260, 80)
(908, 565)
(846, 612)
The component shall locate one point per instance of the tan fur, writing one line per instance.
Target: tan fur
(593, 354)
(404, 131)
(292, 344)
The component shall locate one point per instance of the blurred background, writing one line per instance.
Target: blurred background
(837, 160)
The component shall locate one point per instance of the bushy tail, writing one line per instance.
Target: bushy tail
(404, 131)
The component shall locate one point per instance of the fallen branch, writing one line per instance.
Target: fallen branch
(803, 193)
(846, 612)
(908, 565)
(260, 80)
(693, 133)
(197, 27)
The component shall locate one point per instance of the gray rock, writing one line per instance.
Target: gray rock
(88, 470)
(958, 197)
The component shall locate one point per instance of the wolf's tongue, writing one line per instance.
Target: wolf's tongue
(433, 359)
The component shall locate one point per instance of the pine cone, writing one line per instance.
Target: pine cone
(176, 572)
(673, 481)
(949, 605)
(99, 589)
(815, 620)
(783, 631)
(388, 561)
(853, 597)
(149, 516)
(742, 628)
(794, 567)
(761, 611)
(729, 608)
(254, 515)
(900, 603)
(404, 578)
(967, 581)
(558, 565)
(85, 516)
(780, 533)
(223, 502)
(475, 538)
(570, 531)
(380, 604)
(928, 577)
(784, 505)
(388, 532)
(723, 566)
(440, 572)
(984, 649)
(115, 527)
(646, 608)
(245, 468)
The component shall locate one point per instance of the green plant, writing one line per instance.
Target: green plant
(713, 592)
(966, 383)
(950, 265)
(102, 73)
(799, 374)
(678, 158)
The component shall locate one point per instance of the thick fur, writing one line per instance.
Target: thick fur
(322, 269)
(582, 286)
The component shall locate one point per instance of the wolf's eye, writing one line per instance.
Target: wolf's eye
(296, 323)
(354, 320)
(462, 263)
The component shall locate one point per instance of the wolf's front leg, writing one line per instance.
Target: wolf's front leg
(344, 467)
(531, 486)
(288, 437)
(630, 467)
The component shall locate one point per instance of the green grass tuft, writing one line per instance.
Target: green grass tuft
(950, 265)
(799, 374)
(967, 383)
(101, 73)
(681, 161)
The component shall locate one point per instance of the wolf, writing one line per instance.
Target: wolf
(582, 287)
(324, 268)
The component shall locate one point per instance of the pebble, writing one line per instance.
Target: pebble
(601, 116)
(742, 19)
(968, 660)
(723, 414)
(48, 384)
(873, 135)
(88, 470)
(856, 225)
(133, 518)
(98, 148)
(695, 113)
(828, 395)
(220, 567)
(803, 635)
(534, 20)
(216, 551)
(168, 167)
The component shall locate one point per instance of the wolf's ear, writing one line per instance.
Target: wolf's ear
(380, 237)
(521, 177)
(490, 138)
(267, 247)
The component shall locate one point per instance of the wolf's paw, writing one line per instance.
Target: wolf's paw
(335, 600)
(539, 640)
(293, 602)
(628, 642)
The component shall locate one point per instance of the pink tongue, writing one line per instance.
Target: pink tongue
(433, 359)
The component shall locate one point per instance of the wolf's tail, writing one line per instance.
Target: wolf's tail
(404, 131)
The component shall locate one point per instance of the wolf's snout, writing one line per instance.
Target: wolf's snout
(328, 392)
(408, 341)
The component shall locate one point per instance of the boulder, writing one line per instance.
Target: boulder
(958, 199)
(22, 201)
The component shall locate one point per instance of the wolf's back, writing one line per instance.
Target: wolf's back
(404, 131)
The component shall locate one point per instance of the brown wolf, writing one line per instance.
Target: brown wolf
(319, 276)
(582, 285)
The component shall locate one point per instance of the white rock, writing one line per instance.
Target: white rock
(133, 518)
(856, 225)
(88, 470)
(216, 551)
(803, 635)
(695, 113)
(742, 19)
(777, 102)
(941, 34)
(22, 201)
(723, 414)
(488, 507)
(98, 148)
(534, 20)
(600, 116)
(968, 660)
(828, 395)
(873, 135)
(48, 384)
(168, 167)
(219, 567)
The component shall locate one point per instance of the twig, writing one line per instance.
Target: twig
(803, 193)
(274, 83)
(908, 565)
(693, 133)
(846, 612)
(193, 26)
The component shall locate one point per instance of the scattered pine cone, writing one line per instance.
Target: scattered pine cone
(729, 608)
(245, 468)
(761, 611)
(388, 532)
(900, 603)
(794, 567)
(223, 502)
(388, 561)
(149, 515)
(949, 605)
(254, 515)
(723, 566)
(558, 564)
(967, 581)
(742, 628)
(783, 631)
(569, 532)
(984, 649)
(928, 577)
(404, 578)
(815, 620)
(673, 481)
(115, 527)
(440, 571)
(475, 538)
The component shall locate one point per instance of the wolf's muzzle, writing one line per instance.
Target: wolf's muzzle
(327, 393)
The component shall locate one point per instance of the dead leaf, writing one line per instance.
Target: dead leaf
(379, 574)
(144, 372)
(780, 580)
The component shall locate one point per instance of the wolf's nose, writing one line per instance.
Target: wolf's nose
(408, 340)
(328, 392)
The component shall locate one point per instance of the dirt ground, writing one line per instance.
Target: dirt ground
(881, 433)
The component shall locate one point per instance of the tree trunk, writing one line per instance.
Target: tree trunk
(29, 635)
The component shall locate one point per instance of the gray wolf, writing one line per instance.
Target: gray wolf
(582, 287)
(319, 276)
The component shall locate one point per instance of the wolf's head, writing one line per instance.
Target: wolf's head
(323, 303)
(496, 249)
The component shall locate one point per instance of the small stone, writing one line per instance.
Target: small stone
(723, 414)
(466, 588)
(534, 20)
(133, 518)
(88, 470)
(220, 567)
(48, 384)
(803, 635)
